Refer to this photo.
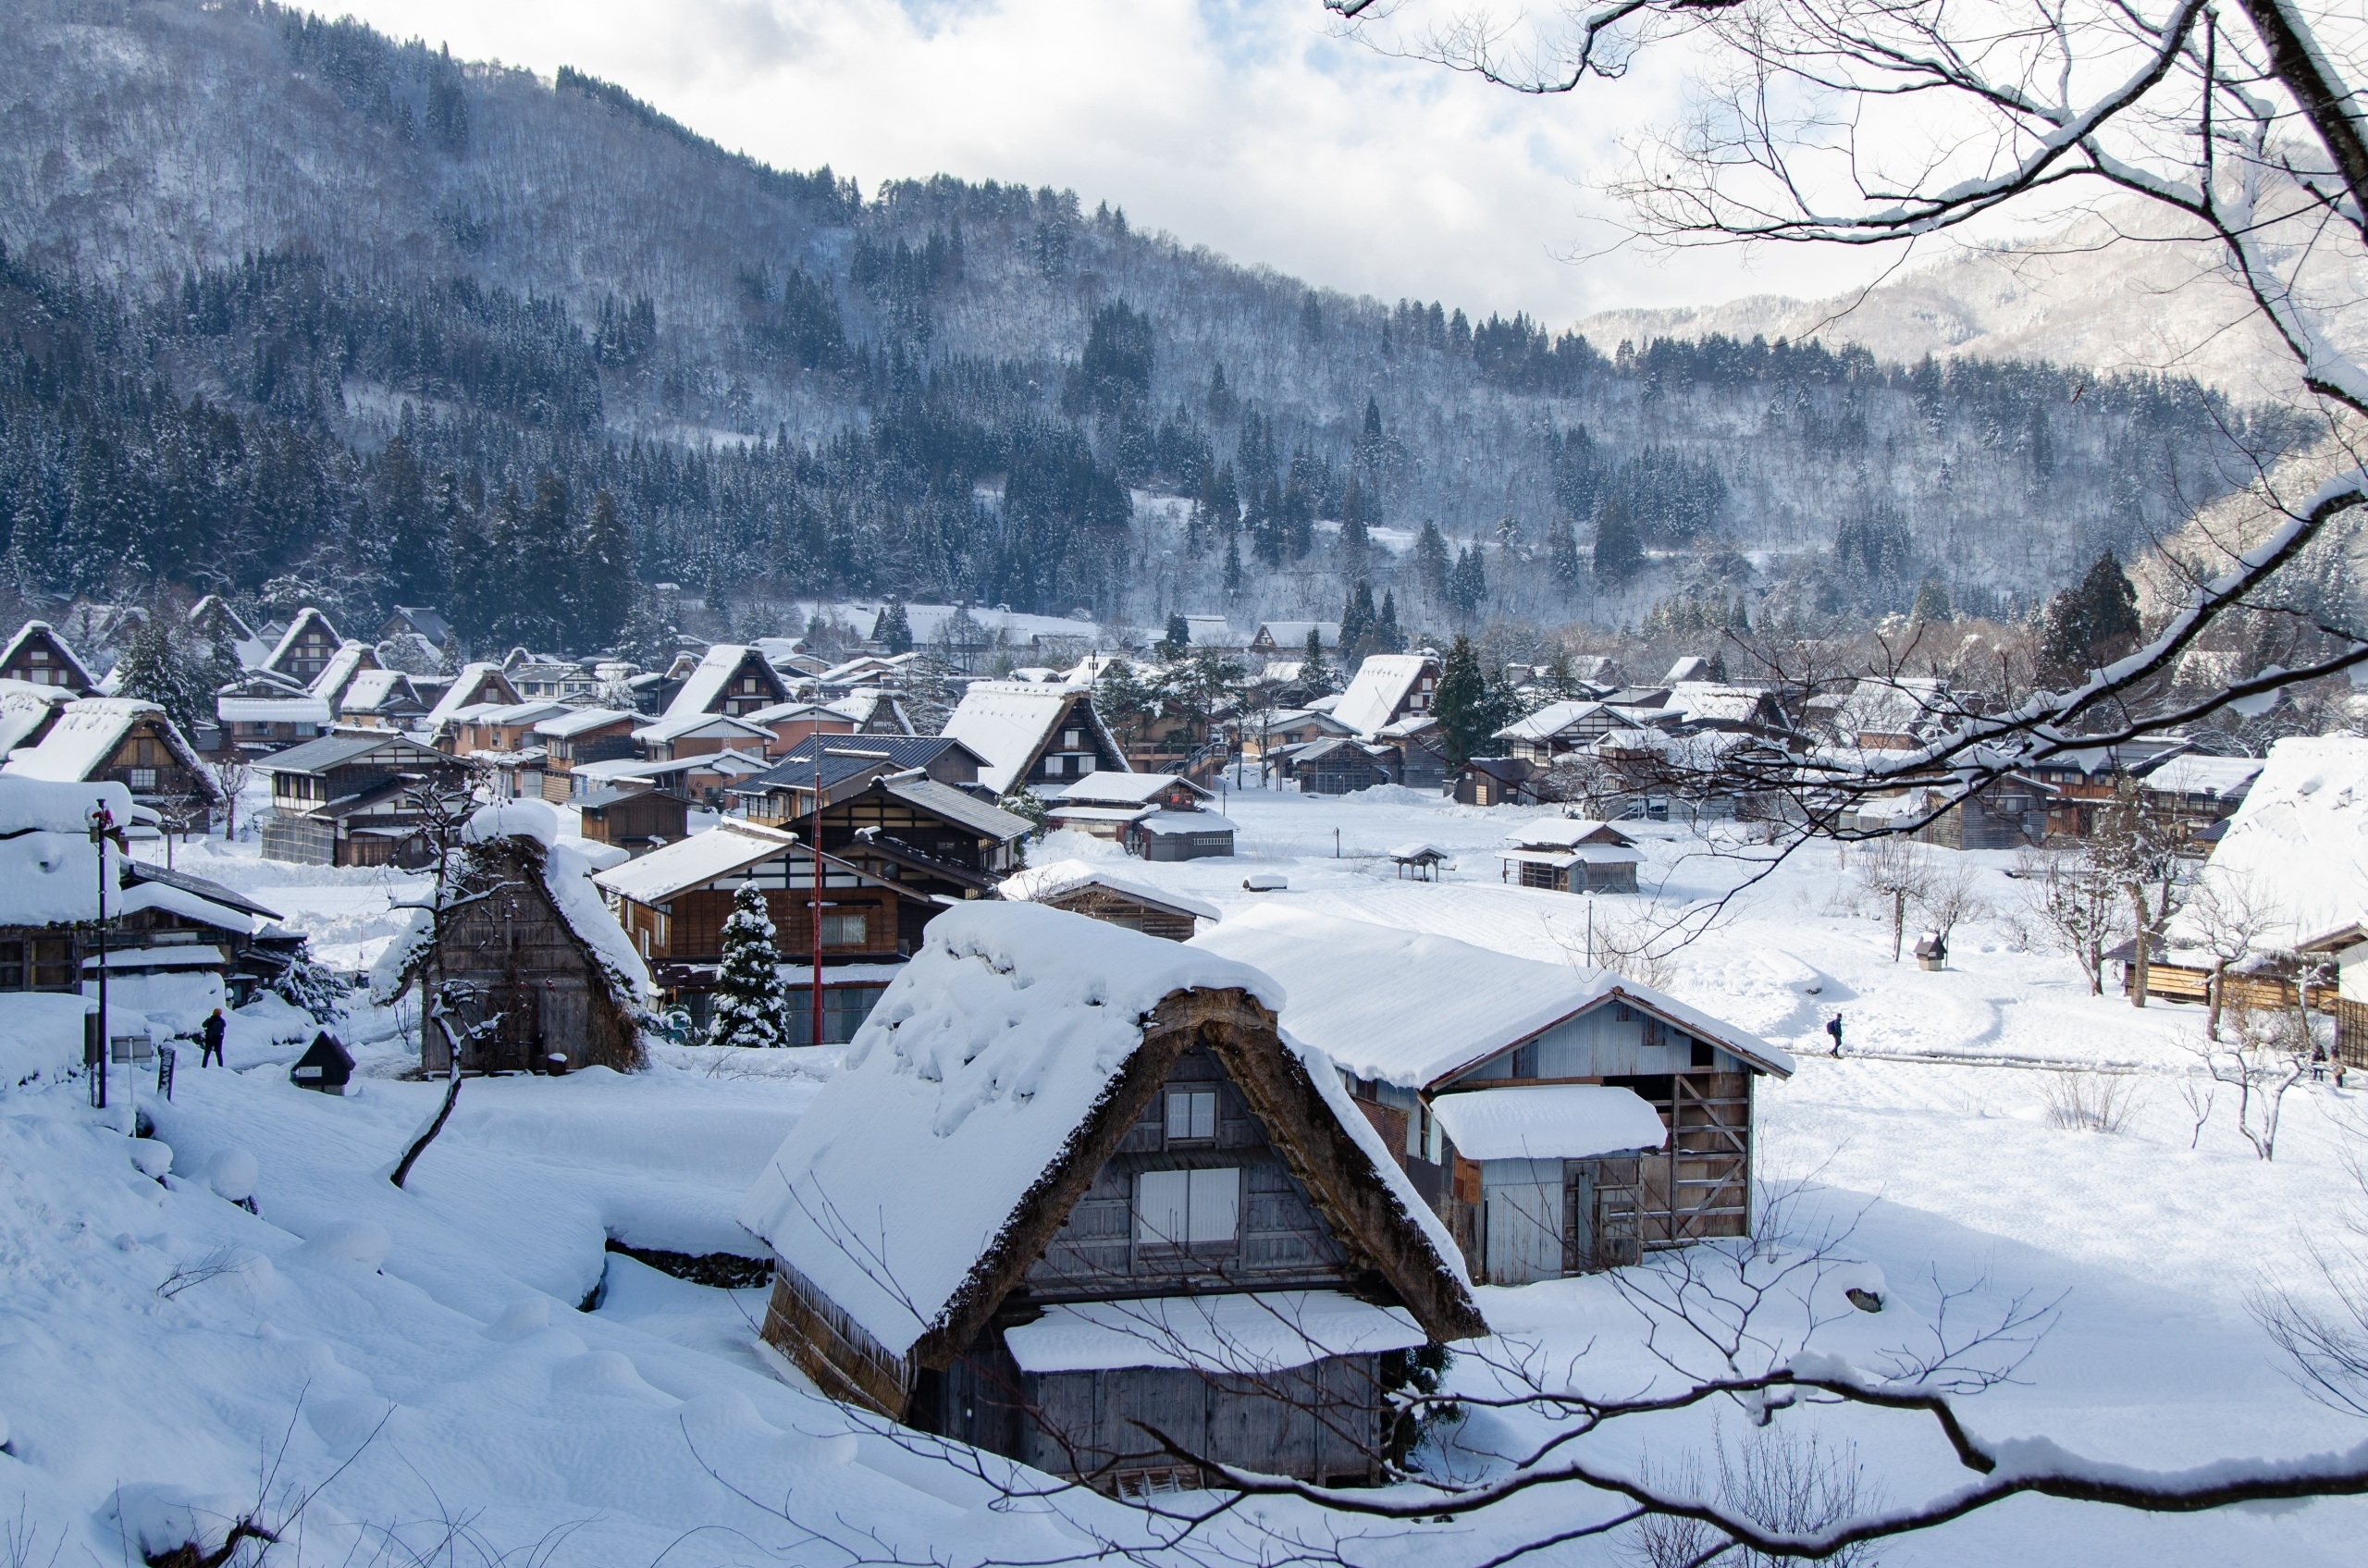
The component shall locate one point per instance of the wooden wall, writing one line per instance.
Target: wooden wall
(1099, 903)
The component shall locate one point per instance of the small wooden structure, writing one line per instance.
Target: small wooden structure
(1570, 855)
(1100, 894)
(1157, 816)
(1340, 766)
(636, 820)
(1420, 861)
(532, 964)
(326, 1066)
(1183, 1223)
(1495, 781)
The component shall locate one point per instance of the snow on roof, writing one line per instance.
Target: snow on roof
(373, 689)
(1293, 634)
(1247, 1334)
(1106, 788)
(1042, 884)
(582, 720)
(703, 687)
(1410, 1008)
(2197, 774)
(794, 709)
(863, 706)
(698, 722)
(1381, 684)
(1566, 832)
(273, 709)
(1714, 701)
(84, 738)
(32, 629)
(48, 867)
(964, 1087)
(1007, 724)
(189, 906)
(1419, 849)
(343, 665)
(466, 690)
(1552, 1121)
(1688, 666)
(961, 806)
(306, 617)
(1165, 823)
(25, 707)
(2299, 842)
(694, 861)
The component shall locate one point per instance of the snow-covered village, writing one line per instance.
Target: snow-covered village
(833, 784)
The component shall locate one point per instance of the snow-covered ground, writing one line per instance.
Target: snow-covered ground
(421, 1358)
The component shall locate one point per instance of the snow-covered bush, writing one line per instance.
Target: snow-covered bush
(317, 990)
(749, 1002)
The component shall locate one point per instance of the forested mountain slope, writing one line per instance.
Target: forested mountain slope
(292, 310)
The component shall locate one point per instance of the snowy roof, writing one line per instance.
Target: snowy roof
(343, 665)
(1410, 1008)
(273, 709)
(1555, 717)
(428, 624)
(374, 690)
(2197, 774)
(694, 861)
(1247, 1334)
(1165, 823)
(1293, 634)
(1552, 1121)
(32, 629)
(1381, 684)
(1715, 703)
(699, 723)
(1008, 722)
(469, 689)
(704, 688)
(1042, 884)
(48, 867)
(305, 618)
(582, 720)
(863, 706)
(86, 736)
(964, 1087)
(1688, 666)
(1419, 849)
(532, 711)
(1566, 832)
(1107, 788)
(2299, 842)
(794, 709)
(25, 707)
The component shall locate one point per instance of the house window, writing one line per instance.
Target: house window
(1085, 764)
(54, 964)
(143, 779)
(1188, 1208)
(12, 966)
(1055, 766)
(1192, 1115)
(1072, 739)
(1525, 1061)
(842, 930)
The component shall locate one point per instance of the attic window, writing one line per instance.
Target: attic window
(1192, 1115)
(1072, 739)
(1188, 1208)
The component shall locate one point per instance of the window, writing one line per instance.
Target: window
(143, 779)
(1188, 1208)
(1191, 1115)
(842, 930)
(1085, 764)
(12, 966)
(39, 655)
(1525, 1061)
(53, 967)
(1072, 739)
(1055, 766)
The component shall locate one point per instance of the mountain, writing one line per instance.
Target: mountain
(292, 310)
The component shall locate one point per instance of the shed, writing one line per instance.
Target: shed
(1157, 816)
(1549, 1183)
(535, 960)
(326, 1066)
(1570, 855)
(1183, 1221)
(1101, 894)
(1421, 861)
(635, 820)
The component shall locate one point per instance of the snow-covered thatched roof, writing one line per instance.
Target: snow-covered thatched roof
(1009, 723)
(87, 735)
(978, 1080)
(2297, 847)
(1046, 884)
(1382, 683)
(49, 868)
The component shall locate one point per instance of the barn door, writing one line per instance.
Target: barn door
(1605, 1208)
(516, 1044)
(1521, 1210)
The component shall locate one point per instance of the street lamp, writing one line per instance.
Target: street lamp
(101, 823)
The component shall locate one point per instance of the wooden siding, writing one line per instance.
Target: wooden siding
(1280, 1243)
(1099, 903)
(845, 1362)
(1322, 1422)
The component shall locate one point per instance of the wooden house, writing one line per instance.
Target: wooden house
(1186, 1223)
(528, 960)
(704, 779)
(261, 714)
(698, 733)
(635, 820)
(380, 700)
(346, 799)
(1557, 1119)
(496, 728)
(2012, 813)
(477, 685)
(27, 712)
(789, 722)
(1569, 855)
(1386, 688)
(337, 678)
(1033, 737)
(1563, 727)
(1495, 781)
(38, 656)
(552, 680)
(730, 679)
(1287, 639)
(1098, 892)
(1157, 816)
(304, 650)
(1287, 727)
(417, 621)
(582, 735)
(1340, 766)
(1421, 746)
(874, 712)
(125, 741)
(784, 792)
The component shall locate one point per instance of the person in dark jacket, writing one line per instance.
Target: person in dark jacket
(210, 1035)
(1833, 1027)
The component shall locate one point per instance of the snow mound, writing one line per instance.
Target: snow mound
(156, 1518)
(512, 819)
(358, 1243)
(232, 1174)
(152, 1158)
(41, 1038)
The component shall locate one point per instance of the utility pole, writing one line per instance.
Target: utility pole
(101, 823)
(814, 861)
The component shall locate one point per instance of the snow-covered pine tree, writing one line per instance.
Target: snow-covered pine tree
(749, 1003)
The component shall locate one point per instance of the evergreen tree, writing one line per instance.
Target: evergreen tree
(1387, 637)
(1232, 567)
(1314, 673)
(1220, 400)
(2090, 624)
(1357, 624)
(1179, 631)
(751, 1007)
(604, 577)
(1931, 601)
(1618, 554)
(1354, 534)
(470, 599)
(1123, 700)
(1562, 553)
(1462, 704)
(893, 630)
(1431, 559)
(158, 667)
(1467, 583)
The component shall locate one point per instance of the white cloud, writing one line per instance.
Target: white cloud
(1237, 124)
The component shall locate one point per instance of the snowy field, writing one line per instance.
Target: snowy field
(422, 1365)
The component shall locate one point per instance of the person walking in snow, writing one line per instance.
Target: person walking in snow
(1833, 1027)
(210, 1035)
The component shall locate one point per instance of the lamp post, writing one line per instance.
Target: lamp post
(103, 822)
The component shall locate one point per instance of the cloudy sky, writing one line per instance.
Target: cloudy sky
(1242, 125)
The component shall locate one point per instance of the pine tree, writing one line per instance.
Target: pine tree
(893, 630)
(1357, 623)
(1618, 552)
(1462, 704)
(157, 668)
(1562, 553)
(1431, 559)
(1354, 534)
(1314, 673)
(1232, 567)
(750, 1005)
(1179, 631)
(2087, 625)
(1931, 601)
(604, 576)
(1386, 634)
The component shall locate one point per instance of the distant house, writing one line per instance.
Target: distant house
(38, 656)
(1340, 766)
(730, 679)
(1495, 781)
(1567, 855)
(495, 729)
(874, 712)
(1157, 816)
(635, 820)
(1289, 638)
(121, 740)
(531, 964)
(698, 733)
(1084, 887)
(1387, 688)
(304, 650)
(343, 800)
(1422, 751)
(337, 676)
(554, 679)
(1032, 737)
(381, 700)
(789, 722)
(1560, 728)
(264, 713)
(702, 779)
(2196, 794)
(581, 734)
(1690, 667)
(1557, 1119)
(2012, 813)
(417, 621)
(477, 685)
(210, 620)
(784, 792)
(1184, 1221)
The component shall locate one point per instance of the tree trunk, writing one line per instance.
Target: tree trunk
(2214, 988)
(1898, 922)
(2138, 964)
(443, 1113)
